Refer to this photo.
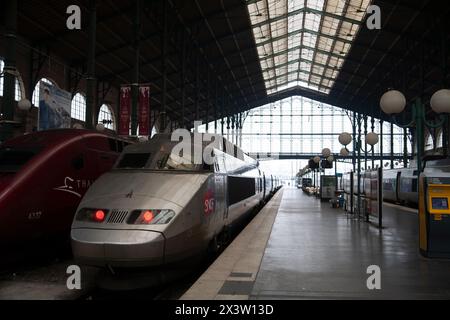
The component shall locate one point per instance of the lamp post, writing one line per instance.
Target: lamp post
(316, 160)
(345, 139)
(394, 102)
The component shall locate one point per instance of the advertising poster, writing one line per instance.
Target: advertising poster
(125, 111)
(54, 107)
(143, 112)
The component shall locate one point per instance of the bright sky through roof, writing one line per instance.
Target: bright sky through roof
(304, 42)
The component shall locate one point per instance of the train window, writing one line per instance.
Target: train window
(134, 160)
(78, 162)
(240, 188)
(11, 160)
(175, 162)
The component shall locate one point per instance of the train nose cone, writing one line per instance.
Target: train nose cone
(118, 248)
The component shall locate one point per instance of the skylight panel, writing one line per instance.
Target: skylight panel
(304, 42)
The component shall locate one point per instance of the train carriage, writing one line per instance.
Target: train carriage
(155, 208)
(43, 177)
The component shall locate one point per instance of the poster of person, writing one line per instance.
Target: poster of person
(54, 107)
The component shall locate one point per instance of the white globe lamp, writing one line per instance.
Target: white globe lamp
(372, 138)
(345, 138)
(393, 102)
(440, 101)
(326, 152)
(344, 152)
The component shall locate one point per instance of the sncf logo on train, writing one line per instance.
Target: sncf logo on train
(209, 202)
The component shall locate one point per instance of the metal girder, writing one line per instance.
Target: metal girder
(387, 51)
(219, 46)
(236, 43)
(58, 36)
(304, 11)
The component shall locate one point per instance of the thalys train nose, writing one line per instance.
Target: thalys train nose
(118, 248)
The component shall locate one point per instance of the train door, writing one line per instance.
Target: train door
(221, 185)
(264, 186)
(397, 186)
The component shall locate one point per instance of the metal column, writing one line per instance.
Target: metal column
(365, 143)
(381, 144)
(405, 148)
(91, 81)
(164, 69)
(354, 141)
(136, 69)
(183, 82)
(373, 147)
(392, 145)
(9, 83)
(359, 165)
(197, 86)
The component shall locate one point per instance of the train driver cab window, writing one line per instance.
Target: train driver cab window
(133, 161)
(172, 161)
(11, 160)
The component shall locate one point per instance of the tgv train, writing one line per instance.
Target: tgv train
(399, 185)
(159, 207)
(43, 177)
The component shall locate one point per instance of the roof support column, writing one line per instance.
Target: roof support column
(207, 101)
(9, 83)
(183, 81)
(381, 144)
(365, 143)
(405, 147)
(197, 87)
(354, 141)
(373, 147)
(358, 205)
(392, 145)
(215, 107)
(444, 45)
(164, 69)
(136, 69)
(91, 81)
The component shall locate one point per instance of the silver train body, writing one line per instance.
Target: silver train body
(158, 210)
(399, 185)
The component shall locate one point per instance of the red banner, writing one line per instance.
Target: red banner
(125, 111)
(144, 111)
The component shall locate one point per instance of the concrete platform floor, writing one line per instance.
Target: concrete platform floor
(316, 252)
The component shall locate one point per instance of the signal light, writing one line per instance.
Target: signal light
(99, 216)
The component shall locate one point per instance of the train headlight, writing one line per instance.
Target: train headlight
(92, 215)
(146, 216)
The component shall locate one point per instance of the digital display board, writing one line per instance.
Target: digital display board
(439, 203)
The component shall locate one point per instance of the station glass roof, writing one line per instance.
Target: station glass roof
(304, 42)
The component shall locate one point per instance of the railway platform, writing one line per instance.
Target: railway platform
(300, 248)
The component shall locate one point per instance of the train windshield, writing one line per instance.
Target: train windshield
(172, 161)
(133, 160)
(12, 159)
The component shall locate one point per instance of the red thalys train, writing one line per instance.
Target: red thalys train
(43, 177)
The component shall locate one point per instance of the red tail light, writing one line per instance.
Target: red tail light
(99, 216)
(148, 216)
